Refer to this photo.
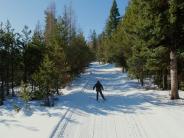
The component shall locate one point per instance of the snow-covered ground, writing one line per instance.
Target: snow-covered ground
(128, 112)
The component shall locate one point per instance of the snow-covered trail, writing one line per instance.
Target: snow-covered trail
(129, 112)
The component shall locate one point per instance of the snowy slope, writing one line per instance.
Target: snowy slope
(129, 112)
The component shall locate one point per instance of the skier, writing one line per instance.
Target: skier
(99, 89)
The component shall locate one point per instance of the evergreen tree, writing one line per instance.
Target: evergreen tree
(106, 40)
(137, 63)
(44, 78)
(8, 57)
(25, 42)
(113, 20)
(46, 60)
(158, 24)
(25, 94)
(157, 65)
(93, 39)
(176, 31)
(93, 43)
(68, 22)
(169, 31)
(55, 48)
(34, 53)
(101, 48)
(78, 54)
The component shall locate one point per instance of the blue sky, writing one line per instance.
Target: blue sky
(90, 14)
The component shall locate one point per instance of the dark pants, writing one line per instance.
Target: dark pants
(100, 94)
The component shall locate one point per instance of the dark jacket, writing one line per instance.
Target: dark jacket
(98, 86)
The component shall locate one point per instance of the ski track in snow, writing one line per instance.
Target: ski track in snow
(128, 112)
(61, 126)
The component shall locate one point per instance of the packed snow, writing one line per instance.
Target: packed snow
(129, 111)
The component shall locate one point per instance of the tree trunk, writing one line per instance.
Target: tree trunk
(142, 81)
(7, 88)
(32, 85)
(142, 78)
(164, 80)
(25, 73)
(12, 81)
(57, 87)
(124, 70)
(7, 82)
(2, 92)
(174, 77)
(160, 79)
(57, 90)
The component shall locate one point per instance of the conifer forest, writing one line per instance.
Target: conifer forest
(123, 81)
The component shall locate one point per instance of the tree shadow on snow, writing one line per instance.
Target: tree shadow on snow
(115, 103)
(10, 123)
(86, 102)
(100, 66)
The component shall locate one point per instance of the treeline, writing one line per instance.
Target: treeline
(43, 61)
(148, 42)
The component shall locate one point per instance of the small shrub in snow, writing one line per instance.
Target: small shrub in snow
(16, 108)
(37, 95)
(25, 94)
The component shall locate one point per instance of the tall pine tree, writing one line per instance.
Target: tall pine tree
(113, 20)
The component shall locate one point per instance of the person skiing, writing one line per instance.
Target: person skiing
(99, 89)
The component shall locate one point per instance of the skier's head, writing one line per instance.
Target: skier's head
(98, 80)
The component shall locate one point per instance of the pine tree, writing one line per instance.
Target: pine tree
(93, 39)
(106, 48)
(157, 65)
(44, 79)
(93, 43)
(79, 55)
(158, 24)
(176, 21)
(43, 59)
(169, 31)
(25, 42)
(8, 57)
(25, 94)
(34, 54)
(68, 25)
(113, 20)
